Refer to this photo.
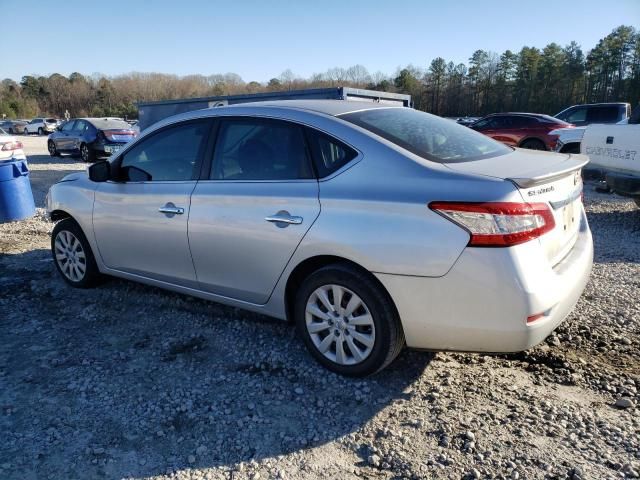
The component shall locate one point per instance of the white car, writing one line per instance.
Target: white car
(10, 148)
(41, 126)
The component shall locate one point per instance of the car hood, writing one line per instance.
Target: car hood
(524, 167)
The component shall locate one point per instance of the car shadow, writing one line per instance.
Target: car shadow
(620, 231)
(127, 380)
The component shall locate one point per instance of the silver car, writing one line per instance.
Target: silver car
(370, 226)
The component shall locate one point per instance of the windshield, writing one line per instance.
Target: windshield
(426, 135)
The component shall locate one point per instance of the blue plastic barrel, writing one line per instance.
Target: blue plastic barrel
(16, 198)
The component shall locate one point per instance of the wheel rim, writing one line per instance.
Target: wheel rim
(52, 148)
(340, 325)
(70, 256)
(84, 151)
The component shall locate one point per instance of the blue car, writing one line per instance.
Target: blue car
(92, 138)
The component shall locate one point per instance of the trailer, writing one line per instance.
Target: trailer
(152, 112)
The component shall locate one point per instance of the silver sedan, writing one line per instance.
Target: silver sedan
(371, 227)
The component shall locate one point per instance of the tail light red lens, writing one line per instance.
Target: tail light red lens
(11, 146)
(498, 224)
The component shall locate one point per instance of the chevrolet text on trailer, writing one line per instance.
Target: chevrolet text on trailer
(369, 226)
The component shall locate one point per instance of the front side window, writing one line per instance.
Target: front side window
(172, 154)
(578, 115)
(427, 136)
(260, 149)
(69, 126)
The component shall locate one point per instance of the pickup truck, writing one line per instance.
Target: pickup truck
(583, 115)
(614, 151)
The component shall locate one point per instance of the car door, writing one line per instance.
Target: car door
(32, 126)
(62, 138)
(140, 217)
(257, 202)
(76, 134)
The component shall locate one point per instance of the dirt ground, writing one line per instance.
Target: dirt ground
(129, 381)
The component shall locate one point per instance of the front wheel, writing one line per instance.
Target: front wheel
(86, 153)
(51, 146)
(72, 255)
(347, 321)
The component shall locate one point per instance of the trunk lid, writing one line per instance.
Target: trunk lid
(550, 178)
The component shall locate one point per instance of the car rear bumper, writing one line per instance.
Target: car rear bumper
(483, 302)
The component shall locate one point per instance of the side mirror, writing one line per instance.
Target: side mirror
(100, 171)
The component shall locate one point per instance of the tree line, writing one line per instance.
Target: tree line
(534, 80)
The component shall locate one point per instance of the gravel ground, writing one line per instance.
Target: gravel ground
(128, 381)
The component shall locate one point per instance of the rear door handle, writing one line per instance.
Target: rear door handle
(283, 219)
(171, 209)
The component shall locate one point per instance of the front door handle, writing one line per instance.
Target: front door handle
(283, 219)
(171, 209)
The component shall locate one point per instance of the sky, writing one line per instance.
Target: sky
(260, 39)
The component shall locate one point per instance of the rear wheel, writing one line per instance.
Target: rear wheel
(51, 146)
(86, 153)
(73, 256)
(533, 144)
(40, 131)
(347, 321)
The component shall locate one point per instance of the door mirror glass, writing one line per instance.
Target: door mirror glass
(132, 173)
(100, 171)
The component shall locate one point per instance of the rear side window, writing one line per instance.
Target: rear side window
(260, 149)
(428, 136)
(172, 154)
(602, 114)
(328, 153)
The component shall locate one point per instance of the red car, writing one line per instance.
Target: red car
(524, 130)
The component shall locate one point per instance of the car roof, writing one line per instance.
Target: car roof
(104, 122)
(522, 114)
(328, 107)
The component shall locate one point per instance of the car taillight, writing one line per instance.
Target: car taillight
(498, 224)
(11, 146)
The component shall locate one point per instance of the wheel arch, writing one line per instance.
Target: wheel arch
(537, 139)
(57, 215)
(309, 265)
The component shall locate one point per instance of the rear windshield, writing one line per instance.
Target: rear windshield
(50, 120)
(428, 136)
(109, 124)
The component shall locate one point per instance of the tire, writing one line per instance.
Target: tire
(533, 144)
(334, 339)
(51, 146)
(86, 153)
(40, 131)
(72, 255)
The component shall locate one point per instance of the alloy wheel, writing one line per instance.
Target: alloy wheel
(84, 152)
(52, 149)
(70, 256)
(340, 324)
